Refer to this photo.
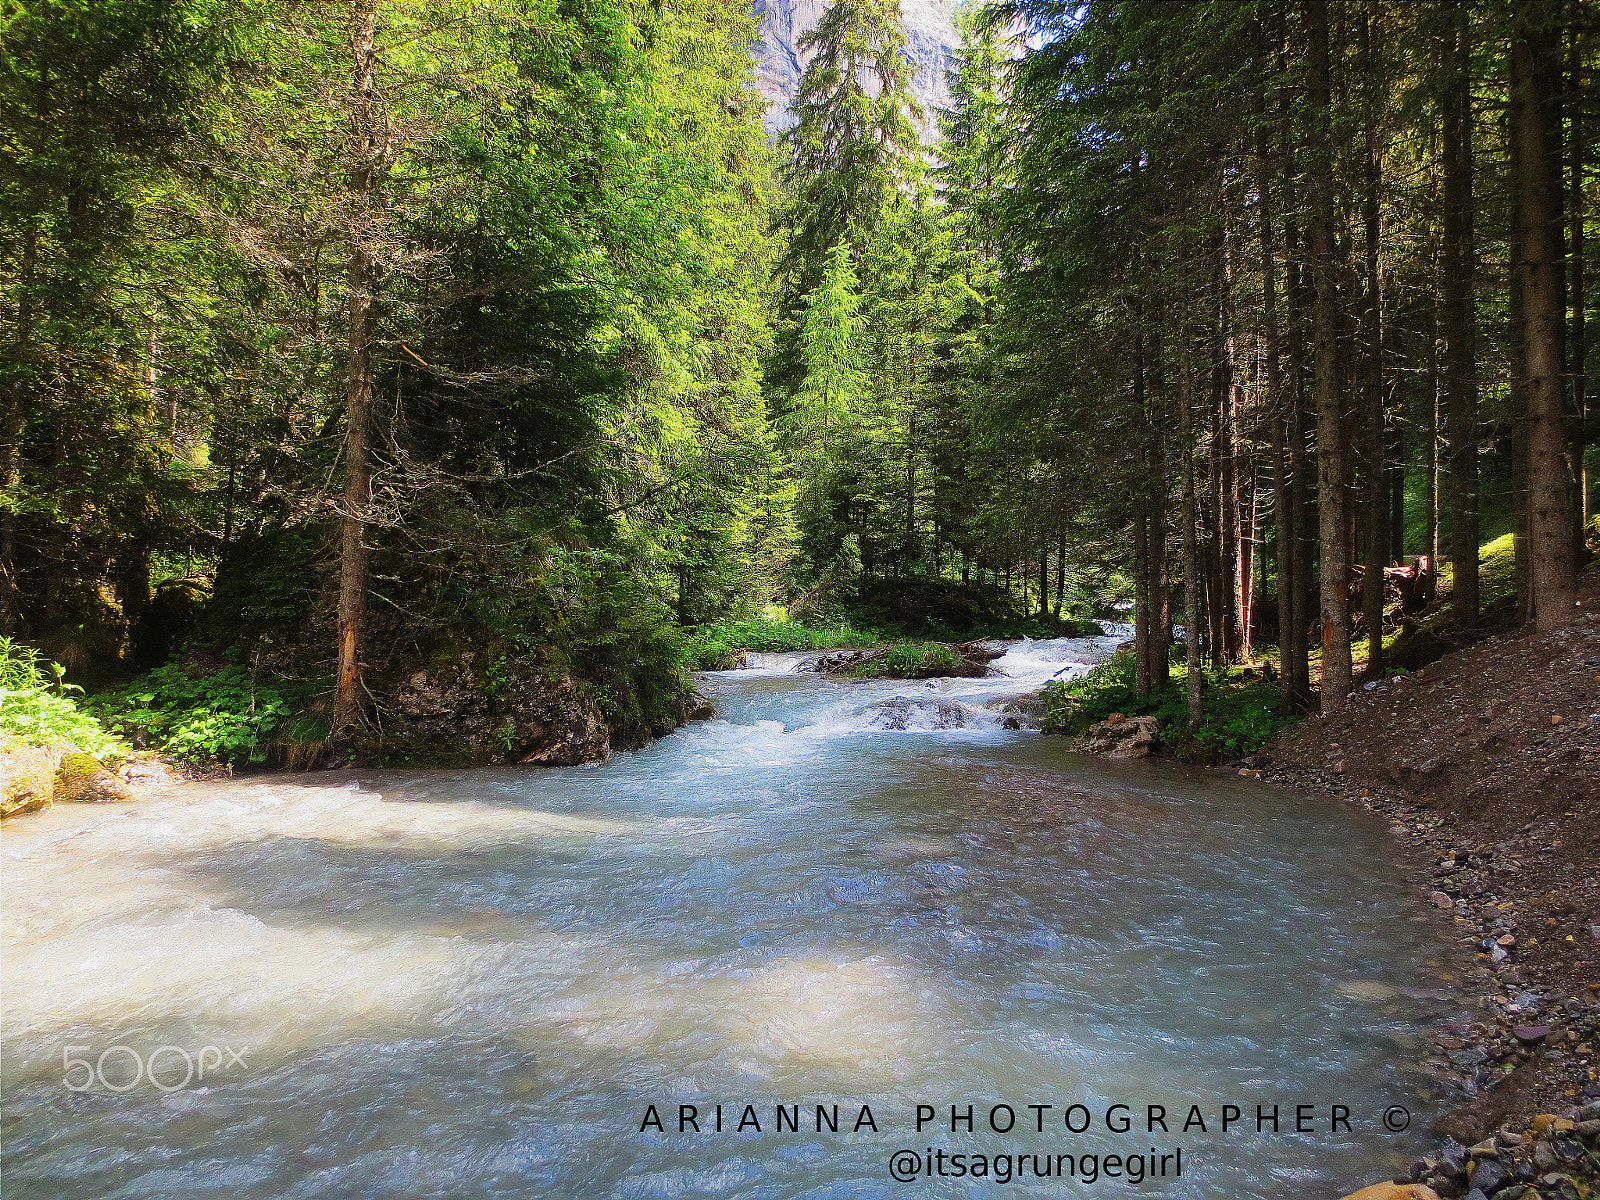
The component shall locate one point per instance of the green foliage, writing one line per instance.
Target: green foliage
(570, 223)
(1497, 569)
(830, 337)
(616, 630)
(701, 653)
(1239, 714)
(37, 710)
(853, 144)
(188, 712)
(714, 643)
(915, 660)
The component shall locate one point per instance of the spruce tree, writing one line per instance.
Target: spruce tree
(854, 141)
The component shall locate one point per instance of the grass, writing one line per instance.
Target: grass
(1241, 712)
(913, 660)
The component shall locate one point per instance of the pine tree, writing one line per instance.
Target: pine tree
(830, 395)
(854, 141)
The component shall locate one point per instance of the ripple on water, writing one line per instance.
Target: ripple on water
(473, 982)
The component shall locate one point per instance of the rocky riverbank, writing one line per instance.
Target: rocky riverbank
(35, 777)
(1553, 1157)
(1487, 764)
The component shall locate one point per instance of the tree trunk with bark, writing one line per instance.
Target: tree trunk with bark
(363, 176)
(1191, 539)
(1579, 342)
(1372, 376)
(1550, 559)
(1461, 369)
(1335, 617)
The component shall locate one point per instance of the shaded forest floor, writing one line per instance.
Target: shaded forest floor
(1487, 763)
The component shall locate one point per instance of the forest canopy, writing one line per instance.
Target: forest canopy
(344, 341)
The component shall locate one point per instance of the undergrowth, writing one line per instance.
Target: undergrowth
(711, 647)
(37, 707)
(914, 660)
(224, 716)
(1240, 713)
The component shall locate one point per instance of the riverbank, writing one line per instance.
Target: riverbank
(1487, 764)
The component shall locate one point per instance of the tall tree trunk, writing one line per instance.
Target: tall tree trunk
(1579, 342)
(1396, 440)
(1160, 615)
(1243, 491)
(13, 427)
(1430, 538)
(358, 400)
(1061, 573)
(1550, 558)
(1141, 604)
(1272, 381)
(1335, 617)
(1190, 534)
(1372, 377)
(1461, 369)
(1282, 461)
(1301, 513)
(1143, 640)
(1224, 452)
(18, 396)
(1044, 576)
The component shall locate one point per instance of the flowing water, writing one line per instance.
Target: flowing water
(476, 983)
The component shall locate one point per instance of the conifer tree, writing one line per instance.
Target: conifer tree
(830, 340)
(854, 141)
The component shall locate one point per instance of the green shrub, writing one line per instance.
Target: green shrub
(187, 712)
(1238, 715)
(767, 636)
(701, 653)
(36, 709)
(914, 660)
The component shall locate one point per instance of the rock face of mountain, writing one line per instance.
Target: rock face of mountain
(931, 43)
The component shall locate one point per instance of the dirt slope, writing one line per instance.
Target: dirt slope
(1488, 764)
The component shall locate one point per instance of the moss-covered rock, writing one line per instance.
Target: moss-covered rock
(472, 711)
(83, 779)
(28, 779)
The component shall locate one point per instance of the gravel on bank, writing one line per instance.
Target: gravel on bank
(1487, 764)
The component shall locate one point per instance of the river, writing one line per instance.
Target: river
(477, 983)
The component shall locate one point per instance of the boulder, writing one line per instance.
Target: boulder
(549, 719)
(1123, 737)
(27, 779)
(145, 770)
(901, 713)
(1394, 1191)
(1489, 1177)
(84, 779)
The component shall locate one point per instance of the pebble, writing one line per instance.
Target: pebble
(1531, 1035)
(1489, 1177)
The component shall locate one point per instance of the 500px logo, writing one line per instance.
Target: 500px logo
(168, 1068)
